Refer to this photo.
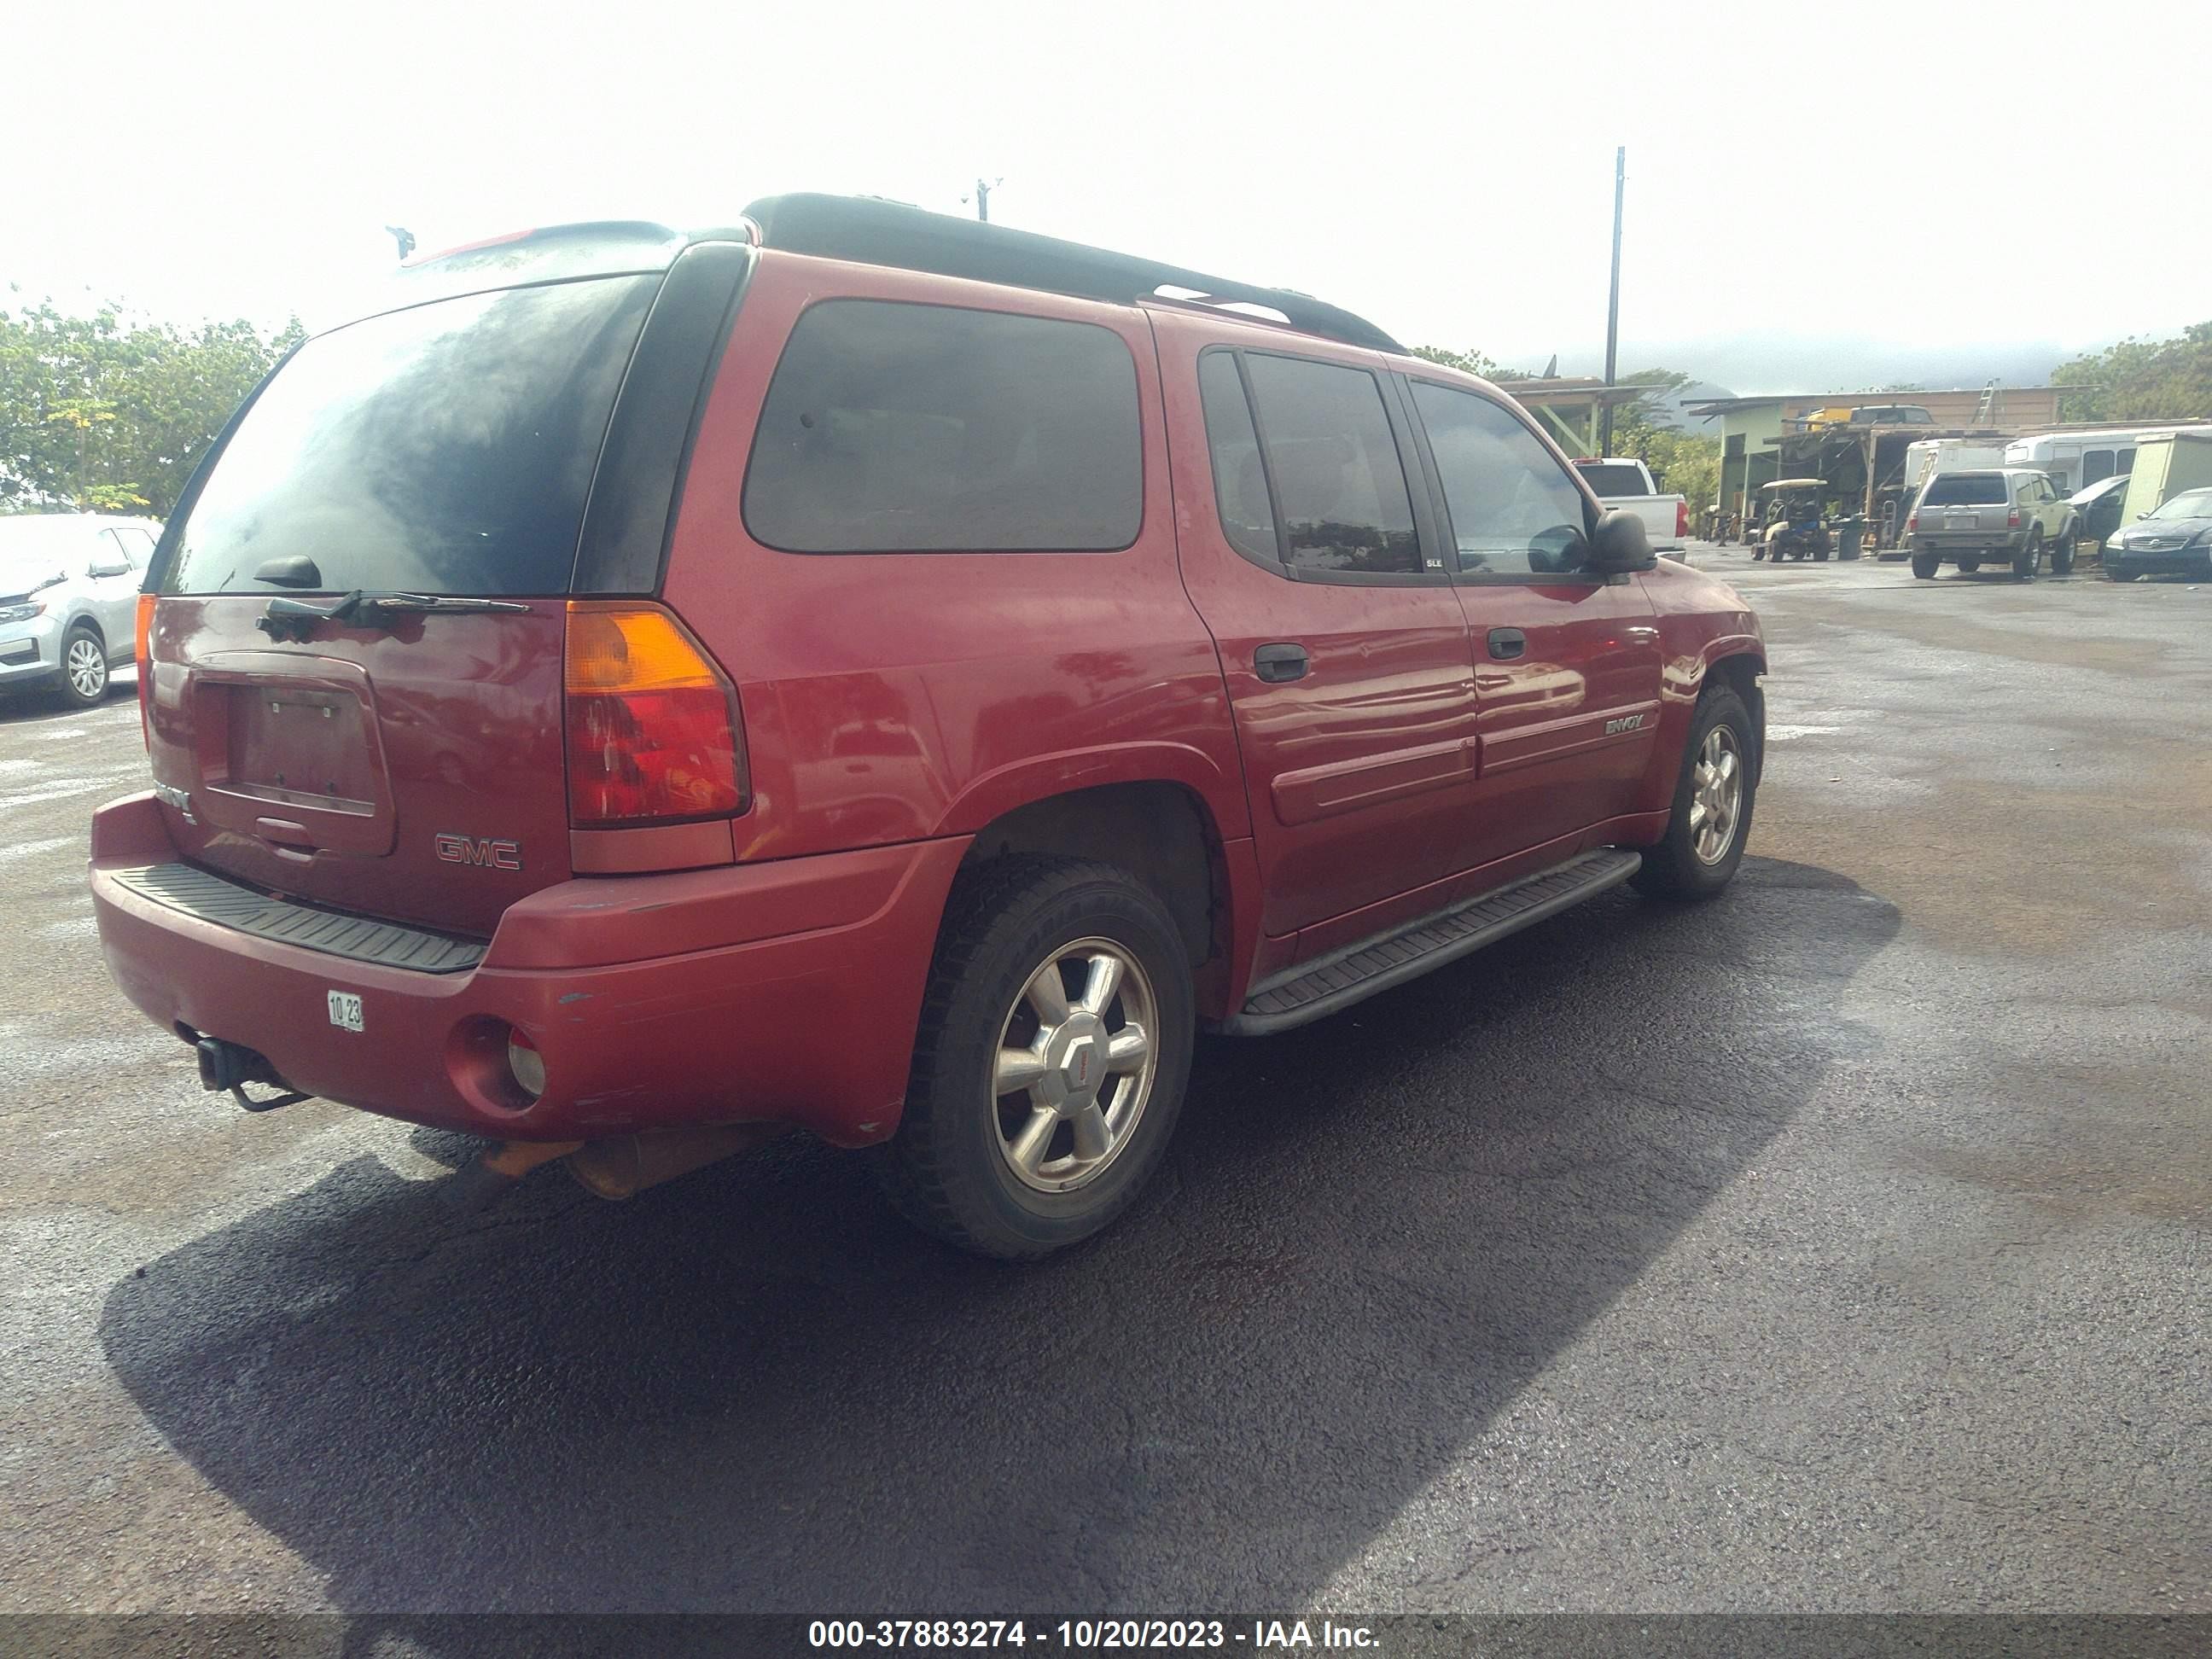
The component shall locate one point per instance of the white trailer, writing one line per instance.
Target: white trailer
(2074, 460)
(1926, 457)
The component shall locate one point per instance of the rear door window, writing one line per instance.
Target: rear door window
(446, 448)
(908, 429)
(1340, 486)
(1513, 510)
(1964, 490)
(1240, 476)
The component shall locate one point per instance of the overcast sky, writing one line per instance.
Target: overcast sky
(1848, 194)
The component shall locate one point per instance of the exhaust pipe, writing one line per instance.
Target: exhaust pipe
(622, 1166)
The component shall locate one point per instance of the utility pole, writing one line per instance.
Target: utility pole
(983, 189)
(1613, 304)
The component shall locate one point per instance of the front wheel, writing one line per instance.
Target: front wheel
(1926, 565)
(84, 668)
(1712, 807)
(1049, 1069)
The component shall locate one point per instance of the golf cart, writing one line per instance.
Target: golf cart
(1791, 521)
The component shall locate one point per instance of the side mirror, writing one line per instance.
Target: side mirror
(100, 570)
(1620, 544)
(2142, 515)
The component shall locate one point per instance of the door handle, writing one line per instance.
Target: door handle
(1507, 643)
(1279, 664)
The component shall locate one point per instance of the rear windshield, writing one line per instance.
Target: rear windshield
(1964, 490)
(1613, 480)
(443, 449)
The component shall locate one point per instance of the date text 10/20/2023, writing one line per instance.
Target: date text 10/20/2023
(1260, 1635)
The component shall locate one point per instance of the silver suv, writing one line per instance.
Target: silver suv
(2009, 514)
(68, 597)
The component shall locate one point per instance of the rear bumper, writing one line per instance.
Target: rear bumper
(786, 992)
(1951, 548)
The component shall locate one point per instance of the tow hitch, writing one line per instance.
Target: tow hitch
(230, 1066)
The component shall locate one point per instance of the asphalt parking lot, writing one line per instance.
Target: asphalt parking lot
(1839, 1245)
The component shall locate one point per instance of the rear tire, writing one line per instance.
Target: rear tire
(1043, 1164)
(1926, 565)
(2062, 556)
(83, 680)
(1687, 864)
(1968, 567)
(2029, 559)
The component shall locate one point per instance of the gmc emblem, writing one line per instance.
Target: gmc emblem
(485, 854)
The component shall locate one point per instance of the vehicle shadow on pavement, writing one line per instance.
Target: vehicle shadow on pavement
(756, 1389)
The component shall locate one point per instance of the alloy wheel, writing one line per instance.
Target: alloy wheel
(86, 664)
(1075, 1064)
(1716, 796)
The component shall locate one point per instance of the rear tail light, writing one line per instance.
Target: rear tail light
(2012, 520)
(1681, 519)
(651, 723)
(1912, 521)
(142, 645)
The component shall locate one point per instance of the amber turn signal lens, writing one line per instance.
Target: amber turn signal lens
(142, 645)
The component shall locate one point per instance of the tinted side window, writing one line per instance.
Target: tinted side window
(1335, 463)
(908, 428)
(1240, 481)
(1514, 511)
(2096, 466)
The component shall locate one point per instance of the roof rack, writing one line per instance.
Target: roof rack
(880, 233)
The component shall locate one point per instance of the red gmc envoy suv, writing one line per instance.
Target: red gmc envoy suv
(879, 674)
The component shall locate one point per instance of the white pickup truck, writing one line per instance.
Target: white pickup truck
(1627, 484)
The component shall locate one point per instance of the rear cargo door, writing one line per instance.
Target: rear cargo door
(404, 763)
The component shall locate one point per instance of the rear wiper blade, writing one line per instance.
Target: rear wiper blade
(295, 619)
(411, 602)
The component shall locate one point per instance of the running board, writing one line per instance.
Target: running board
(1313, 989)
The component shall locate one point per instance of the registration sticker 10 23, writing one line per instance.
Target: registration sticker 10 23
(346, 1010)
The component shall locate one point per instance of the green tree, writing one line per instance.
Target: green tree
(1470, 362)
(2141, 380)
(108, 412)
(1685, 463)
